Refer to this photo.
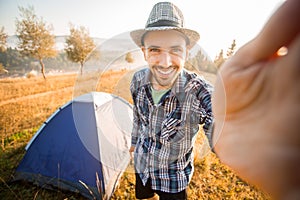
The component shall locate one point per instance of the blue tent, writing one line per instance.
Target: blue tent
(83, 147)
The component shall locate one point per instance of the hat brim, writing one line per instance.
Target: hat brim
(192, 35)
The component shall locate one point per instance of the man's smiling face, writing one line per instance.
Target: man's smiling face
(165, 53)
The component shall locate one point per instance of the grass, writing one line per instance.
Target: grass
(26, 103)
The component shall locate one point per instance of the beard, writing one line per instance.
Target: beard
(162, 77)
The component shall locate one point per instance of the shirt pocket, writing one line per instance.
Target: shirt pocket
(196, 114)
(143, 112)
(172, 128)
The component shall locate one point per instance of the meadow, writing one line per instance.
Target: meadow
(26, 103)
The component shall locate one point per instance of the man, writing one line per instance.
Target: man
(257, 131)
(169, 105)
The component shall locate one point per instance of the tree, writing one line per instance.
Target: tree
(35, 37)
(2, 69)
(220, 59)
(3, 46)
(3, 38)
(231, 49)
(200, 62)
(13, 60)
(79, 45)
(129, 58)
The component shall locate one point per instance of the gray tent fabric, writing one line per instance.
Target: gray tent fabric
(82, 147)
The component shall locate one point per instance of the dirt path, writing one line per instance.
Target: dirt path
(13, 100)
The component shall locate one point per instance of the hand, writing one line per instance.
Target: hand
(256, 106)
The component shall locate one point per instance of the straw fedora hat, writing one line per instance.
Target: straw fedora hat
(165, 16)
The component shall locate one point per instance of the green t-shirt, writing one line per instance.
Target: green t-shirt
(157, 94)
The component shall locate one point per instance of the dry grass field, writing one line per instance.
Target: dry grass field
(26, 103)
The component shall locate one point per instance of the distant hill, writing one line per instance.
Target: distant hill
(114, 50)
(13, 40)
(112, 55)
(117, 43)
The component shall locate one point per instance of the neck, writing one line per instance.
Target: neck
(157, 86)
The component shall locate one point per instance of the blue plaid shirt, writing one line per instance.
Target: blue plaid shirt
(164, 134)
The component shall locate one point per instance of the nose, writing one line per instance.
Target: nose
(165, 59)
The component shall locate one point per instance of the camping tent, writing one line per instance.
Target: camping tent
(83, 147)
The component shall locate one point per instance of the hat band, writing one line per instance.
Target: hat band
(161, 23)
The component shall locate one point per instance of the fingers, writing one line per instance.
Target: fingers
(291, 62)
(280, 30)
(285, 71)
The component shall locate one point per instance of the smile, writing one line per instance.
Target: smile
(166, 72)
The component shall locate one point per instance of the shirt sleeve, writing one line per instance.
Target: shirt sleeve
(134, 132)
(135, 127)
(207, 120)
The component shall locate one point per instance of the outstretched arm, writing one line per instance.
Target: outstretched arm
(256, 105)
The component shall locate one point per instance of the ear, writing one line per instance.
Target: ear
(188, 46)
(187, 52)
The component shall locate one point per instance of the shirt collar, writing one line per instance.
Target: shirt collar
(179, 84)
(178, 87)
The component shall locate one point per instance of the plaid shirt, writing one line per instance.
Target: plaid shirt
(164, 134)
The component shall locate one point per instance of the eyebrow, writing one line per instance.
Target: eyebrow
(153, 46)
(175, 46)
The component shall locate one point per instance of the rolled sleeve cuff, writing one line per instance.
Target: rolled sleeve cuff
(133, 141)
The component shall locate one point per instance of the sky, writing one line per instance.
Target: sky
(217, 21)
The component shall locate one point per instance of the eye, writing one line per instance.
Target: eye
(176, 50)
(154, 50)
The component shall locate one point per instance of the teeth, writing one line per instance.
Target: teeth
(165, 72)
